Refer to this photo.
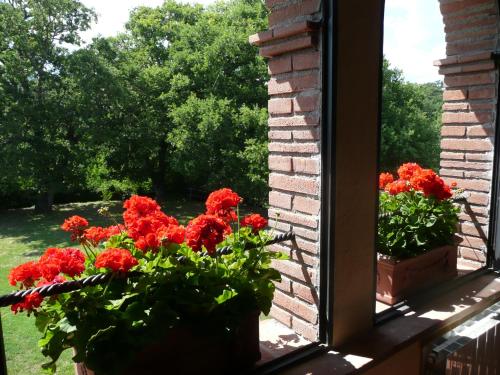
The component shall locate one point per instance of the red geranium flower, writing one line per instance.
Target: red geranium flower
(255, 221)
(114, 230)
(95, 235)
(398, 186)
(428, 182)
(172, 234)
(26, 274)
(69, 261)
(407, 170)
(137, 206)
(76, 225)
(117, 260)
(221, 202)
(384, 179)
(30, 302)
(206, 231)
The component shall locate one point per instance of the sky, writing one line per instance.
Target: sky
(413, 31)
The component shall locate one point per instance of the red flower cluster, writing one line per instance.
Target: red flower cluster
(221, 202)
(172, 234)
(117, 260)
(30, 302)
(255, 221)
(76, 225)
(55, 261)
(430, 183)
(384, 179)
(26, 274)
(145, 220)
(413, 176)
(206, 231)
(96, 235)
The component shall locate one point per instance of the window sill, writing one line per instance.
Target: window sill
(420, 325)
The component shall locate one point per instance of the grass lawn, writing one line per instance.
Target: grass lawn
(24, 236)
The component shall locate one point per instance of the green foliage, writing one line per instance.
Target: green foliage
(412, 224)
(411, 121)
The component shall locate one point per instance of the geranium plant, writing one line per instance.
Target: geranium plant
(164, 276)
(417, 213)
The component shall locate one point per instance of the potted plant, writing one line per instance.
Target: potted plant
(173, 302)
(416, 232)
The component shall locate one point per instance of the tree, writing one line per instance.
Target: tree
(411, 120)
(38, 135)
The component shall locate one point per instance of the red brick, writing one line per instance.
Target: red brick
(482, 93)
(470, 184)
(480, 131)
(286, 216)
(474, 242)
(478, 174)
(466, 144)
(465, 165)
(261, 37)
(455, 106)
(307, 205)
(272, 3)
(306, 135)
(467, 46)
(461, 5)
(295, 29)
(478, 156)
(293, 183)
(471, 33)
(280, 65)
(281, 316)
(280, 163)
(284, 285)
(306, 293)
(453, 155)
(304, 310)
(306, 233)
(455, 94)
(280, 226)
(292, 84)
(297, 148)
(307, 246)
(453, 131)
(306, 330)
(472, 254)
(306, 165)
(306, 103)
(309, 120)
(469, 79)
(452, 18)
(304, 258)
(279, 106)
(302, 8)
(280, 200)
(466, 117)
(479, 198)
(281, 48)
(469, 24)
(293, 270)
(280, 135)
(475, 219)
(304, 61)
(490, 106)
(451, 173)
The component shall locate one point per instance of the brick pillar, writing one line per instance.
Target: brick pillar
(469, 112)
(293, 47)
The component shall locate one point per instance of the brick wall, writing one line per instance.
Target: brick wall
(469, 112)
(292, 45)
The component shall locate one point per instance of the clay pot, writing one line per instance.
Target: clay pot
(186, 351)
(399, 279)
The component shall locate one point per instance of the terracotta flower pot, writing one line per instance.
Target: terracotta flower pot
(397, 280)
(186, 351)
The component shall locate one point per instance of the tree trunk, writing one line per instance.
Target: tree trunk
(158, 178)
(44, 202)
